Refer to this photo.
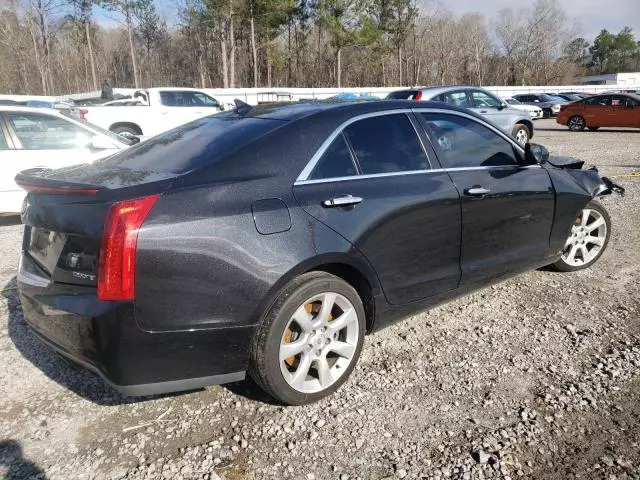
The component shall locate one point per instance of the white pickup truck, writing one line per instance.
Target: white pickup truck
(152, 111)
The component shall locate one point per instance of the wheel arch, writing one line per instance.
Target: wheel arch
(355, 271)
(133, 126)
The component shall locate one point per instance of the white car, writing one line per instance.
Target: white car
(44, 137)
(534, 112)
(155, 110)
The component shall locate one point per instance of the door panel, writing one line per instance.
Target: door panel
(507, 207)
(508, 229)
(408, 227)
(373, 186)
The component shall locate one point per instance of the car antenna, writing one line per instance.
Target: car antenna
(242, 108)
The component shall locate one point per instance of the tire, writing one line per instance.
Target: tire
(576, 123)
(521, 132)
(593, 129)
(598, 214)
(297, 379)
(126, 131)
(546, 113)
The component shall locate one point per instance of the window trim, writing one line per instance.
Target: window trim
(308, 169)
(303, 177)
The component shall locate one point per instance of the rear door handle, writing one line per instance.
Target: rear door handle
(342, 201)
(476, 191)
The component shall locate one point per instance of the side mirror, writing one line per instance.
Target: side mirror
(535, 153)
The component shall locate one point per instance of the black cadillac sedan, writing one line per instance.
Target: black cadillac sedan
(271, 239)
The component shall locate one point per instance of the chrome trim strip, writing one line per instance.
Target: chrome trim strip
(304, 174)
(410, 172)
(30, 278)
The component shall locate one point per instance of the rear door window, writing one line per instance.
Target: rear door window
(335, 162)
(3, 141)
(386, 144)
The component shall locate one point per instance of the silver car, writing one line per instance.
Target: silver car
(512, 121)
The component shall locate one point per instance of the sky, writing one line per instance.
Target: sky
(591, 15)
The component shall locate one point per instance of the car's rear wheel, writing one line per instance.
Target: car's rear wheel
(521, 133)
(576, 123)
(588, 239)
(310, 340)
(593, 129)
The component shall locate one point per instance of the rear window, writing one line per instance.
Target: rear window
(403, 95)
(194, 144)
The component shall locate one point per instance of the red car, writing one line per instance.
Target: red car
(610, 110)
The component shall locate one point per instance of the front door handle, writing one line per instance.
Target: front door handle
(342, 201)
(476, 191)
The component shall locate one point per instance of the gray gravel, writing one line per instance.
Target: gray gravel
(537, 377)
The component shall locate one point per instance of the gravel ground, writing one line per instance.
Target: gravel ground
(537, 377)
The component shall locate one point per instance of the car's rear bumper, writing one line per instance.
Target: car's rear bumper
(105, 338)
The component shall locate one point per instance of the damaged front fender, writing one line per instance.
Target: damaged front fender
(574, 188)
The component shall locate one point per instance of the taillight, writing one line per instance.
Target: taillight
(117, 262)
(83, 113)
(54, 190)
(419, 95)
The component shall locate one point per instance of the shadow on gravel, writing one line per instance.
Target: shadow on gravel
(17, 467)
(251, 391)
(67, 374)
(6, 220)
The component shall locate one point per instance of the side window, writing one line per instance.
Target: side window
(335, 162)
(205, 100)
(481, 99)
(43, 132)
(459, 99)
(630, 102)
(603, 100)
(463, 142)
(385, 144)
(618, 101)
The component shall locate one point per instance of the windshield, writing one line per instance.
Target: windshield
(548, 98)
(512, 101)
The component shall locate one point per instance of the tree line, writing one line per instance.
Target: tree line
(60, 46)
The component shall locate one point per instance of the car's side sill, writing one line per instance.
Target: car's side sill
(177, 385)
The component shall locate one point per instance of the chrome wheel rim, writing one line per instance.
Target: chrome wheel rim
(522, 136)
(319, 343)
(576, 123)
(587, 238)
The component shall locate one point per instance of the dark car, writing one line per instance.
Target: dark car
(550, 105)
(272, 238)
(569, 97)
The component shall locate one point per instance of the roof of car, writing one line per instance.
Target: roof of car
(297, 110)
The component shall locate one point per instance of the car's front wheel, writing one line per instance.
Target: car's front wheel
(521, 133)
(588, 239)
(310, 340)
(576, 123)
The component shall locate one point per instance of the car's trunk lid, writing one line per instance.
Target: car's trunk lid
(65, 211)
